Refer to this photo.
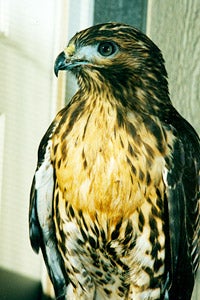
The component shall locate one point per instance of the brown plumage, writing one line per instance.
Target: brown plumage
(114, 201)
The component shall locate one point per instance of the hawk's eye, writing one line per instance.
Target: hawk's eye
(107, 48)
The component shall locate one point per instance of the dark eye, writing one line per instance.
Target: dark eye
(107, 48)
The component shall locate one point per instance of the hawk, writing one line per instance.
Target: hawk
(114, 203)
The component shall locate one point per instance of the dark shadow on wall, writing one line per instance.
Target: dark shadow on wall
(132, 12)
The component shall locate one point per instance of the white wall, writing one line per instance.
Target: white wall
(27, 51)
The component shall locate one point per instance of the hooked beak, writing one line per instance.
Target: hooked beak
(61, 63)
(67, 63)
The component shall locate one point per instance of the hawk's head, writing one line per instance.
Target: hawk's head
(117, 56)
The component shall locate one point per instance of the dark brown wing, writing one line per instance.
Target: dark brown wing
(183, 195)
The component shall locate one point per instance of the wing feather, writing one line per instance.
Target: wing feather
(182, 193)
(41, 226)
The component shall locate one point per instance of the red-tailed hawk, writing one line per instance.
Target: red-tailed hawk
(115, 197)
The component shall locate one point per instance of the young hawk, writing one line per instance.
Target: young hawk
(115, 197)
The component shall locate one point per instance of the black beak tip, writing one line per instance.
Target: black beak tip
(60, 63)
(56, 70)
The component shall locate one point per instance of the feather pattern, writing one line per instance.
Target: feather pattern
(115, 198)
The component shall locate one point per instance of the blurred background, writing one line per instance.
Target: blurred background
(32, 33)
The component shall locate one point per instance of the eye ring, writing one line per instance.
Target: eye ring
(107, 48)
